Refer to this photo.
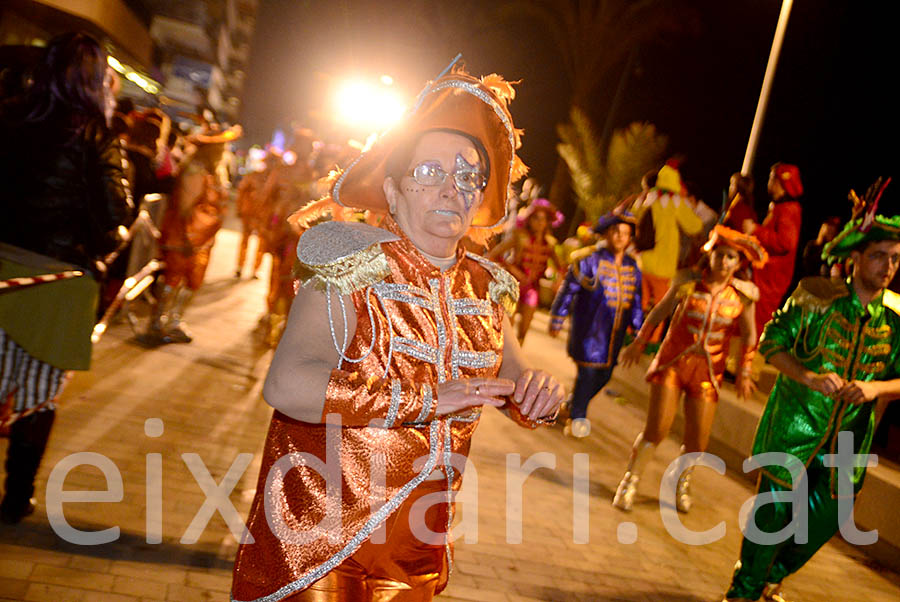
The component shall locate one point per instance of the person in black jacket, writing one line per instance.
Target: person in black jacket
(63, 200)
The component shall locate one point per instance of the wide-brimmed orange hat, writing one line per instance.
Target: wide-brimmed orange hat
(460, 102)
(747, 244)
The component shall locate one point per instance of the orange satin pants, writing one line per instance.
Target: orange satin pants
(402, 569)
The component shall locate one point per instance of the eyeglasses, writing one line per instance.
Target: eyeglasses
(466, 177)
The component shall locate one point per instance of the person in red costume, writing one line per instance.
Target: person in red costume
(779, 235)
(740, 201)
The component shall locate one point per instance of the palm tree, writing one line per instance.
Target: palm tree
(601, 179)
(594, 37)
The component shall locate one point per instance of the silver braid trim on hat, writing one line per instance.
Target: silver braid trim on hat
(336, 194)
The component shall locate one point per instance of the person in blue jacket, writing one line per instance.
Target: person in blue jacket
(602, 294)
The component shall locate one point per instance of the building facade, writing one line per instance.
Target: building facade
(182, 56)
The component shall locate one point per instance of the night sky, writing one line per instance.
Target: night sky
(830, 111)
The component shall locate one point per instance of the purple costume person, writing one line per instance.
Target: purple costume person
(603, 299)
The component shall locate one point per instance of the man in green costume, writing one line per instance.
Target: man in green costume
(837, 346)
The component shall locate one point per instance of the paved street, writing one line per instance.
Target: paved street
(168, 419)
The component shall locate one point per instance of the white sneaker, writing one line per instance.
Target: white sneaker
(625, 492)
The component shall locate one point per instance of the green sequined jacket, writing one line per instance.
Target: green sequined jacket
(825, 327)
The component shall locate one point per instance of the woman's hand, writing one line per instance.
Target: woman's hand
(745, 385)
(631, 354)
(538, 393)
(462, 393)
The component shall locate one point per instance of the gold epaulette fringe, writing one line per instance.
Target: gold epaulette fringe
(504, 288)
(818, 293)
(363, 268)
(891, 300)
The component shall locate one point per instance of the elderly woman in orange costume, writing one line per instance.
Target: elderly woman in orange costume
(381, 376)
(709, 308)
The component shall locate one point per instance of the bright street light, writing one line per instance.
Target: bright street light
(369, 106)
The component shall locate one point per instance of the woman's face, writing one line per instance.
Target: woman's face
(538, 222)
(724, 261)
(436, 216)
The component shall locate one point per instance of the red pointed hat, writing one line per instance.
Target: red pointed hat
(457, 101)
(789, 176)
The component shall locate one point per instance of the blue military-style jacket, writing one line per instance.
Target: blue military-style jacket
(602, 299)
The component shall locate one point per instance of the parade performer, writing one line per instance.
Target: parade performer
(709, 309)
(602, 294)
(252, 212)
(671, 215)
(63, 199)
(780, 235)
(289, 187)
(430, 345)
(836, 344)
(567, 250)
(811, 261)
(189, 226)
(531, 248)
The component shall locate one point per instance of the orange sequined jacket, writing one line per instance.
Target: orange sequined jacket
(416, 327)
(703, 324)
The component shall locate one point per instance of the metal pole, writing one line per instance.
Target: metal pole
(766, 87)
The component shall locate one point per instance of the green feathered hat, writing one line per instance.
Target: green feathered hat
(865, 226)
(883, 228)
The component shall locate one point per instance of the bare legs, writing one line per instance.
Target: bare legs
(699, 413)
(242, 251)
(661, 413)
(526, 313)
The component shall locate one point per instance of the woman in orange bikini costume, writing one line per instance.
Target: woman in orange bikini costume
(710, 307)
